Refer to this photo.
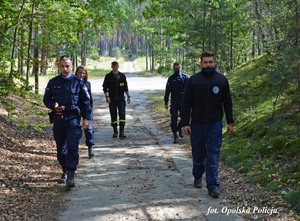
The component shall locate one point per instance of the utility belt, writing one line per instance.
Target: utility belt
(69, 113)
(65, 113)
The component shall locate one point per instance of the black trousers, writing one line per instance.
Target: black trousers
(117, 107)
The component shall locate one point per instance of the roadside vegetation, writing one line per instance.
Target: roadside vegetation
(266, 143)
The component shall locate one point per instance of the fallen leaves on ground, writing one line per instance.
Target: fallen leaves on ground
(28, 171)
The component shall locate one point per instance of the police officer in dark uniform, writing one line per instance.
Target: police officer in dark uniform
(114, 86)
(206, 97)
(175, 85)
(67, 95)
(82, 72)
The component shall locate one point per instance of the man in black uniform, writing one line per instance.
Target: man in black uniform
(175, 85)
(114, 86)
(206, 97)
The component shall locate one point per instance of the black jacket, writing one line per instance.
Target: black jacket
(88, 85)
(115, 85)
(175, 85)
(204, 99)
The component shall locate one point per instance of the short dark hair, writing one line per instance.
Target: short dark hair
(114, 63)
(206, 54)
(65, 57)
(176, 63)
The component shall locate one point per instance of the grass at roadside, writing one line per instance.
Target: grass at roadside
(266, 143)
(147, 73)
(98, 73)
(158, 104)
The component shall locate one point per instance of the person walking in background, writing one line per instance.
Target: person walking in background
(114, 87)
(206, 97)
(67, 96)
(82, 72)
(175, 86)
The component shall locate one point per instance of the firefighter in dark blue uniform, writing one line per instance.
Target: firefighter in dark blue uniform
(175, 85)
(67, 95)
(82, 72)
(114, 87)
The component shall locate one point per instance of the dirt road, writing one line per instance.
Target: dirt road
(144, 177)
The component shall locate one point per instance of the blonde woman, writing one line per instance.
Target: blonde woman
(82, 72)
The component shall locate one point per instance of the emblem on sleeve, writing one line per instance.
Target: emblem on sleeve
(216, 89)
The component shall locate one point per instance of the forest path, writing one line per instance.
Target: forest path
(144, 177)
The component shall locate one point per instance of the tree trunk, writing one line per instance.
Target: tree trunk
(21, 56)
(35, 69)
(83, 48)
(12, 60)
(111, 46)
(146, 53)
(253, 43)
(152, 59)
(231, 45)
(209, 33)
(204, 28)
(260, 32)
(297, 23)
(169, 53)
(43, 65)
(29, 43)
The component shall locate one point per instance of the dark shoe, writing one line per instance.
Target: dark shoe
(115, 135)
(214, 193)
(179, 129)
(198, 183)
(63, 178)
(122, 135)
(70, 179)
(91, 151)
(180, 133)
(176, 138)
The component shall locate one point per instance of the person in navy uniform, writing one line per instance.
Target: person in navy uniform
(114, 87)
(68, 97)
(82, 72)
(175, 86)
(206, 97)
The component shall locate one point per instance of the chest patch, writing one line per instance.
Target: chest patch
(216, 89)
(122, 84)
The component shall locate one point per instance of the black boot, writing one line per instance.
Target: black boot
(176, 139)
(197, 182)
(70, 179)
(122, 135)
(91, 151)
(63, 177)
(180, 133)
(179, 129)
(115, 131)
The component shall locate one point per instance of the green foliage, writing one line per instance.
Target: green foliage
(158, 103)
(96, 73)
(266, 142)
(294, 200)
(94, 54)
(116, 52)
(164, 70)
(6, 87)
